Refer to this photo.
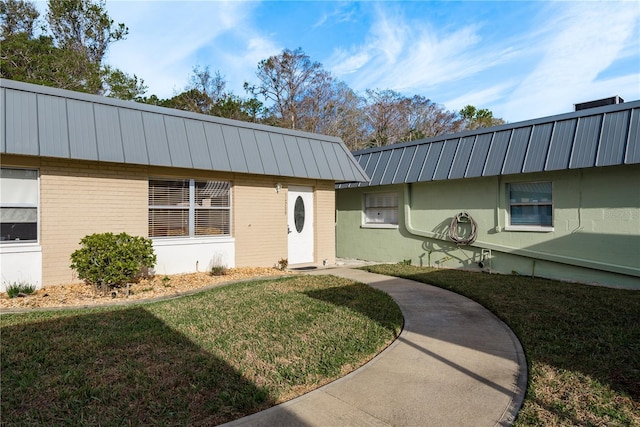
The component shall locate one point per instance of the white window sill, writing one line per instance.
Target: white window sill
(389, 226)
(534, 228)
(14, 246)
(175, 241)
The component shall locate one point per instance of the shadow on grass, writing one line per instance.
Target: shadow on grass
(574, 327)
(374, 304)
(116, 367)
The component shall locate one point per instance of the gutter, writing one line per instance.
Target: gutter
(563, 259)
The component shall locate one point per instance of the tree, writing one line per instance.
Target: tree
(18, 17)
(84, 26)
(286, 79)
(69, 53)
(479, 118)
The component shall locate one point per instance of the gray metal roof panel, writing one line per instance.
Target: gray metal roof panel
(169, 137)
(614, 137)
(22, 123)
(404, 164)
(52, 126)
(417, 164)
(538, 148)
(446, 159)
(198, 147)
(479, 155)
(321, 161)
(431, 161)
(250, 150)
(265, 149)
(372, 163)
(632, 154)
(347, 168)
(497, 153)
(392, 167)
(462, 157)
(135, 150)
(82, 131)
(217, 147)
(178, 142)
(594, 137)
(295, 157)
(108, 137)
(156, 139)
(282, 156)
(559, 147)
(237, 160)
(309, 159)
(381, 167)
(588, 133)
(516, 151)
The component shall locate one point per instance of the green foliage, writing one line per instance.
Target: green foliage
(69, 52)
(479, 118)
(17, 288)
(108, 260)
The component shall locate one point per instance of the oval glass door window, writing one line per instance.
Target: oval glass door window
(298, 214)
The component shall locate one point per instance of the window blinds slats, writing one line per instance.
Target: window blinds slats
(171, 213)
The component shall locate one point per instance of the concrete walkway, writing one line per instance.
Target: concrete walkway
(454, 364)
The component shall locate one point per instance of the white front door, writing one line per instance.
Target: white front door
(300, 221)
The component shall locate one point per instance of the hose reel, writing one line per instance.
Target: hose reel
(463, 218)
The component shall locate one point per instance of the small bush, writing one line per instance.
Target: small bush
(283, 263)
(20, 289)
(108, 260)
(217, 266)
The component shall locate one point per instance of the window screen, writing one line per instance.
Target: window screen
(189, 208)
(531, 204)
(18, 205)
(381, 208)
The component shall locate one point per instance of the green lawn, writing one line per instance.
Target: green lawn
(204, 359)
(582, 343)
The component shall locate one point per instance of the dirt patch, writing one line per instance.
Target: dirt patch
(80, 294)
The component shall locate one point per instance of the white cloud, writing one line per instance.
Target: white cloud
(164, 40)
(584, 41)
(410, 56)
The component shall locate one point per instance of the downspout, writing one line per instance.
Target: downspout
(563, 259)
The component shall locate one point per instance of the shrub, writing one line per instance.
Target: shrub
(217, 266)
(16, 289)
(108, 260)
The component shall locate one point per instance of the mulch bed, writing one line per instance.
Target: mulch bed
(80, 294)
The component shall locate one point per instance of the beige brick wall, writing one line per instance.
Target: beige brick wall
(78, 198)
(325, 207)
(260, 221)
(81, 198)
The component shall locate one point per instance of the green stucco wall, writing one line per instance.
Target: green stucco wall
(596, 219)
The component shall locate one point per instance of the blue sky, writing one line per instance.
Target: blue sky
(520, 59)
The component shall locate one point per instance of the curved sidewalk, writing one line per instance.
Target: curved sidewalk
(454, 364)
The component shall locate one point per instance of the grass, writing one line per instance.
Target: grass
(582, 342)
(15, 289)
(199, 360)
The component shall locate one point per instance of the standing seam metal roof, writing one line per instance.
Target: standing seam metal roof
(603, 136)
(43, 121)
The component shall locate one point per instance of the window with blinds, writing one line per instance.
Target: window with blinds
(187, 208)
(530, 204)
(381, 208)
(18, 205)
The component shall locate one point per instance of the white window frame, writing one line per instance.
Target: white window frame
(528, 227)
(191, 208)
(25, 205)
(367, 210)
